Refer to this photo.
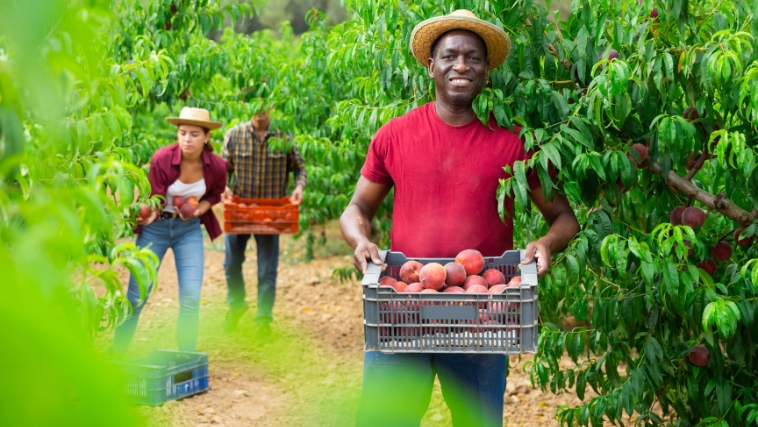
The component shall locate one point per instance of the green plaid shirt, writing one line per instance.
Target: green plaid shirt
(256, 171)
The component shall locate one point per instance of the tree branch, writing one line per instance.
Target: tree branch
(718, 202)
(701, 158)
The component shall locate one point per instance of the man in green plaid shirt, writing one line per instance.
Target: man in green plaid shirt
(257, 171)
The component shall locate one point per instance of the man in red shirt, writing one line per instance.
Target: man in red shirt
(445, 165)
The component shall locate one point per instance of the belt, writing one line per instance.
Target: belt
(169, 215)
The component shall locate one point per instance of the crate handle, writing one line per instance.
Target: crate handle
(373, 272)
(528, 271)
(182, 376)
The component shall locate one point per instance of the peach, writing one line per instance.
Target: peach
(192, 201)
(742, 242)
(693, 216)
(187, 210)
(454, 289)
(493, 277)
(643, 153)
(178, 202)
(471, 260)
(475, 281)
(144, 212)
(699, 356)
(409, 271)
(429, 290)
(414, 287)
(432, 276)
(497, 289)
(676, 215)
(387, 281)
(722, 251)
(709, 266)
(514, 282)
(456, 274)
(476, 289)
(399, 286)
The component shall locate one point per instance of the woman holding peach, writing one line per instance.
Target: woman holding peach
(191, 179)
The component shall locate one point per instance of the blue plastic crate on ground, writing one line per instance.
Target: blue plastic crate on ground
(165, 375)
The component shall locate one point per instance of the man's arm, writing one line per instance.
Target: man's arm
(296, 164)
(228, 155)
(355, 222)
(563, 227)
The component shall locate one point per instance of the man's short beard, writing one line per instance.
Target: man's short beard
(458, 102)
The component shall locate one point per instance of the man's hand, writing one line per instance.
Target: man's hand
(538, 250)
(364, 251)
(297, 195)
(227, 194)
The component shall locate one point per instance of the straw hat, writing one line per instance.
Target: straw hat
(194, 116)
(426, 32)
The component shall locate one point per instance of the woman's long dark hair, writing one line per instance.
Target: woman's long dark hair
(208, 146)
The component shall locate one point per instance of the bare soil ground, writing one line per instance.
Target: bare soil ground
(311, 375)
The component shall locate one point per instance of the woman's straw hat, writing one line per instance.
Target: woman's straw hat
(426, 32)
(194, 116)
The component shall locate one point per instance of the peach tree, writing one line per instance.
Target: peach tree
(648, 111)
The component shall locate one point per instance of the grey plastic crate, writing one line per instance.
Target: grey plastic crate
(397, 322)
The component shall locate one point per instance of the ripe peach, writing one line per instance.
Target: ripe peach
(432, 276)
(144, 212)
(178, 202)
(722, 251)
(471, 260)
(475, 281)
(690, 113)
(742, 242)
(454, 289)
(399, 286)
(192, 201)
(429, 290)
(689, 245)
(476, 289)
(387, 281)
(700, 356)
(514, 282)
(709, 266)
(187, 210)
(414, 287)
(497, 289)
(613, 54)
(642, 151)
(493, 277)
(693, 216)
(456, 274)
(409, 271)
(676, 215)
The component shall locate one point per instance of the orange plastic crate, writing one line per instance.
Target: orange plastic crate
(260, 216)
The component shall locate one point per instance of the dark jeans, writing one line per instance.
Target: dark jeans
(397, 388)
(186, 240)
(268, 262)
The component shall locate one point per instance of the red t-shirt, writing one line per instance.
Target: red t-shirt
(446, 180)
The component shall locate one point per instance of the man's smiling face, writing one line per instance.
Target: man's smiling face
(459, 68)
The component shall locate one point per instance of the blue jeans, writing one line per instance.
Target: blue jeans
(186, 240)
(397, 388)
(268, 262)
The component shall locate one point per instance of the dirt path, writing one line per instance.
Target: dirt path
(311, 375)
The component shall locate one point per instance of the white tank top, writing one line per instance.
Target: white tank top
(178, 188)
